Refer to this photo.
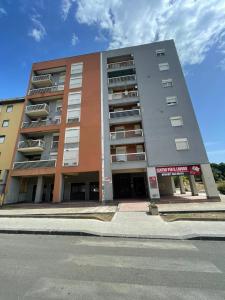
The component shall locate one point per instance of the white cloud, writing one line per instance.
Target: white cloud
(2, 11)
(195, 26)
(65, 8)
(38, 30)
(74, 39)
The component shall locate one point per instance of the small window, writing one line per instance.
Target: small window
(73, 115)
(176, 121)
(9, 108)
(160, 52)
(74, 98)
(171, 100)
(182, 144)
(2, 139)
(5, 123)
(77, 68)
(167, 83)
(164, 67)
(75, 82)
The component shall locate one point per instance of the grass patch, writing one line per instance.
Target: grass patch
(194, 216)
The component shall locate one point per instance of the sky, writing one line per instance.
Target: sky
(39, 30)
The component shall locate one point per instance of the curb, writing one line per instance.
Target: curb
(95, 234)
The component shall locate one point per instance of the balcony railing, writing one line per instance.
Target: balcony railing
(126, 134)
(121, 79)
(44, 77)
(33, 124)
(54, 146)
(121, 64)
(49, 89)
(31, 144)
(126, 94)
(124, 113)
(37, 109)
(34, 164)
(139, 156)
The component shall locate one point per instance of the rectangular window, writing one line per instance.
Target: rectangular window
(73, 115)
(71, 147)
(74, 98)
(160, 52)
(73, 110)
(75, 82)
(171, 100)
(167, 83)
(176, 121)
(77, 68)
(164, 67)
(182, 144)
(72, 135)
(139, 148)
(9, 108)
(2, 139)
(5, 123)
(76, 75)
(71, 157)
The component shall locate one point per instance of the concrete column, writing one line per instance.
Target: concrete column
(153, 186)
(39, 190)
(209, 182)
(193, 186)
(58, 188)
(107, 189)
(182, 188)
(173, 185)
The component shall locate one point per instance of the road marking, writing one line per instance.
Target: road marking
(165, 245)
(144, 263)
(52, 288)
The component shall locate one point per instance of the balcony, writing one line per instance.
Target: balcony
(120, 65)
(128, 161)
(125, 116)
(31, 146)
(45, 90)
(39, 123)
(38, 110)
(122, 80)
(34, 164)
(126, 97)
(42, 80)
(127, 137)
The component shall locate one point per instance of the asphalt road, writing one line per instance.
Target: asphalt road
(62, 267)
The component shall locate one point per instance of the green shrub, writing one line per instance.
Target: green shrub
(221, 187)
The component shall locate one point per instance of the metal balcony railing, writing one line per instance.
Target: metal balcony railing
(41, 77)
(37, 107)
(49, 89)
(34, 164)
(120, 64)
(33, 124)
(126, 94)
(31, 144)
(121, 79)
(126, 134)
(124, 113)
(126, 157)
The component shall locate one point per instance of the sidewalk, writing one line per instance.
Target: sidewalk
(130, 224)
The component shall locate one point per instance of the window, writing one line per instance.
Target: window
(171, 100)
(76, 75)
(160, 52)
(139, 148)
(9, 108)
(167, 83)
(71, 157)
(73, 111)
(176, 121)
(182, 144)
(72, 135)
(164, 67)
(62, 77)
(2, 139)
(5, 123)
(71, 147)
(58, 108)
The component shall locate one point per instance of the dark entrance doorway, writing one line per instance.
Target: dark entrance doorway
(94, 191)
(77, 191)
(127, 186)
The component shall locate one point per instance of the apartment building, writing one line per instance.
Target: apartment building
(10, 116)
(111, 125)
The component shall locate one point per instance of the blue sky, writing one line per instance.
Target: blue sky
(37, 30)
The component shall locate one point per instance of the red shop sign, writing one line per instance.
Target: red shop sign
(179, 170)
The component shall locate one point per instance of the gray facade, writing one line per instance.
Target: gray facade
(158, 133)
